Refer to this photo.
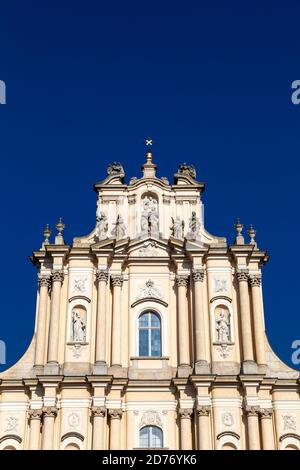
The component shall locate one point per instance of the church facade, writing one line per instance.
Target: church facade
(149, 333)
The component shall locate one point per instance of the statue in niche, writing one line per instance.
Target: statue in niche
(194, 227)
(119, 228)
(150, 219)
(177, 228)
(101, 225)
(78, 327)
(223, 327)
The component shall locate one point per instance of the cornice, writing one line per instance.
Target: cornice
(57, 249)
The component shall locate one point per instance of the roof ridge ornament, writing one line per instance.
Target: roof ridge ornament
(239, 239)
(149, 168)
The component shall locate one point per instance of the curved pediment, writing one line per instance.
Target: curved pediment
(149, 299)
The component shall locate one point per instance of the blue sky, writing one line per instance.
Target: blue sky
(209, 81)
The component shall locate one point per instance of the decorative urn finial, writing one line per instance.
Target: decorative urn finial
(239, 239)
(47, 234)
(59, 227)
(252, 234)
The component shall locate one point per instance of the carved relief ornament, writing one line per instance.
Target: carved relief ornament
(151, 418)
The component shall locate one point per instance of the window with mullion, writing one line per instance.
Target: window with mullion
(149, 335)
(151, 437)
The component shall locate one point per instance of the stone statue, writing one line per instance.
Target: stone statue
(115, 168)
(119, 228)
(149, 218)
(152, 222)
(101, 225)
(194, 226)
(186, 169)
(78, 327)
(223, 328)
(177, 228)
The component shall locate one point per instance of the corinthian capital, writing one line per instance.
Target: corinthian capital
(102, 275)
(242, 275)
(44, 280)
(252, 410)
(99, 411)
(203, 410)
(185, 413)
(255, 280)
(198, 275)
(35, 414)
(115, 413)
(117, 280)
(182, 280)
(49, 411)
(265, 413)
(57, 276)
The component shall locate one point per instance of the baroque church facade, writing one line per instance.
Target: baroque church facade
(149, 333)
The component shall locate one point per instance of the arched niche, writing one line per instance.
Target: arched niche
(10, 442)
(150, 218)
(228, 440)
(221, 321)
(72, 441)
(289, 441)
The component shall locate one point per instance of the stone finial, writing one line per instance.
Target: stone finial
(149, 168)
(186, 169)
(252, 233)
(239, 239)
(115, 168)
(47, 234)
(59, 240)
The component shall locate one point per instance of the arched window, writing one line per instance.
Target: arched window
(151, 437)
(149, 334)
(228, 446)
(72, 446)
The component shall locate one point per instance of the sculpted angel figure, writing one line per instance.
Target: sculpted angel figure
(78, 327)
(194, 226)
(223, 328)
(119, 228)
(101, 225)
(177, 227)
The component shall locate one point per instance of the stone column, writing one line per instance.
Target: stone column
(242, 277)
(49, 415)
(117, 281)
(115, 429)
(57, 280)
(253, 427)
(34, 428)
(183, 321)
(266, 428)
(100, 358)
(99, 427)
(44, 284)
(186, 442)
(259, 334)
(201, 362)
(203, 427)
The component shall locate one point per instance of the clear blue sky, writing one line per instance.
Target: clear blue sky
(209, 81)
